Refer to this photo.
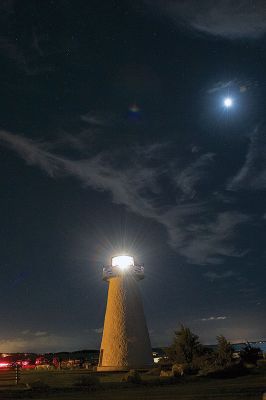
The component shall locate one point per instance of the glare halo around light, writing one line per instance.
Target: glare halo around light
(123, 262)
(228, 102)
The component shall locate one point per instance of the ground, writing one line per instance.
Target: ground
(61, 387)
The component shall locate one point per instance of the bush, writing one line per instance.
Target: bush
(224, 352)
(184, 369)
(164, 374)
(132, 377)
(218, 363)
(230, 371)
(204, 361)
(87, 381)
(186, 347)
(261, 363)
(178, 370)
(250, 354)
(154, 371)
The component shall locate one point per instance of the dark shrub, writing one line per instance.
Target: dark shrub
(178, 370)
(154, 371)
(250, 355)
(185, 348)
(230, 371)
(224, 352)
(132, 377)
(166, 374)
(261, 363)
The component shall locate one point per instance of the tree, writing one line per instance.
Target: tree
(224, 352)
(250, 354)
(186, 346)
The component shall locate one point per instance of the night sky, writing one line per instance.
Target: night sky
(114, 137)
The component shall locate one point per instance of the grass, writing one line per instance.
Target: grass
(62, 387)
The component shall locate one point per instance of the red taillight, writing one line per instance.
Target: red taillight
(4, 364)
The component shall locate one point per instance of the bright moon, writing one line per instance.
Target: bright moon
(228, 102)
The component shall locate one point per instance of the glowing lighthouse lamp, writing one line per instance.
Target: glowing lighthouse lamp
(125, 341)
(123, 262)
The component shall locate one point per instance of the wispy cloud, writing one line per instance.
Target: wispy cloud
(226, 18)
(197, 232)
(95, 120)
(234, 86)
(252, 174)
(209, 242)
(25, 332)
(220, 86)
(189, 178)
(213, 276)
(28, 332)
(28, 56)
(42, 343)
(98, 330)
(220, 318)
(41, 333)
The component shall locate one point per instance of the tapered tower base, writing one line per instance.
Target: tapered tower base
(125, 342)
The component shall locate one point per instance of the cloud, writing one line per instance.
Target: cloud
(221, 318)
(10, 48)
(220, 85)
(28, 332)
(231, 19)
(27, 55)
(188, 178)
(37, 343)
(143, 184)
(206, 242)
(234, 86)
(98, 330)
(41, 333)
(16, 345)
(95, 120)
(42, 341)
(25, 332)
(219, 276)
(252, 174)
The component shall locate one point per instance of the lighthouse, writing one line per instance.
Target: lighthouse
(125, 341)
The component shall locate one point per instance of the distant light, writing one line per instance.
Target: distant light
(122, 262)
(228, 102)
(4, 365)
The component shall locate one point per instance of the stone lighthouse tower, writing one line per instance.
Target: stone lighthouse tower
(125, 342)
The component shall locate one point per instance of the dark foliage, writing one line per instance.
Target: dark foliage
(186, 348)
(132, 377)
(250, 354)
(230, 371)
(224, 352)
